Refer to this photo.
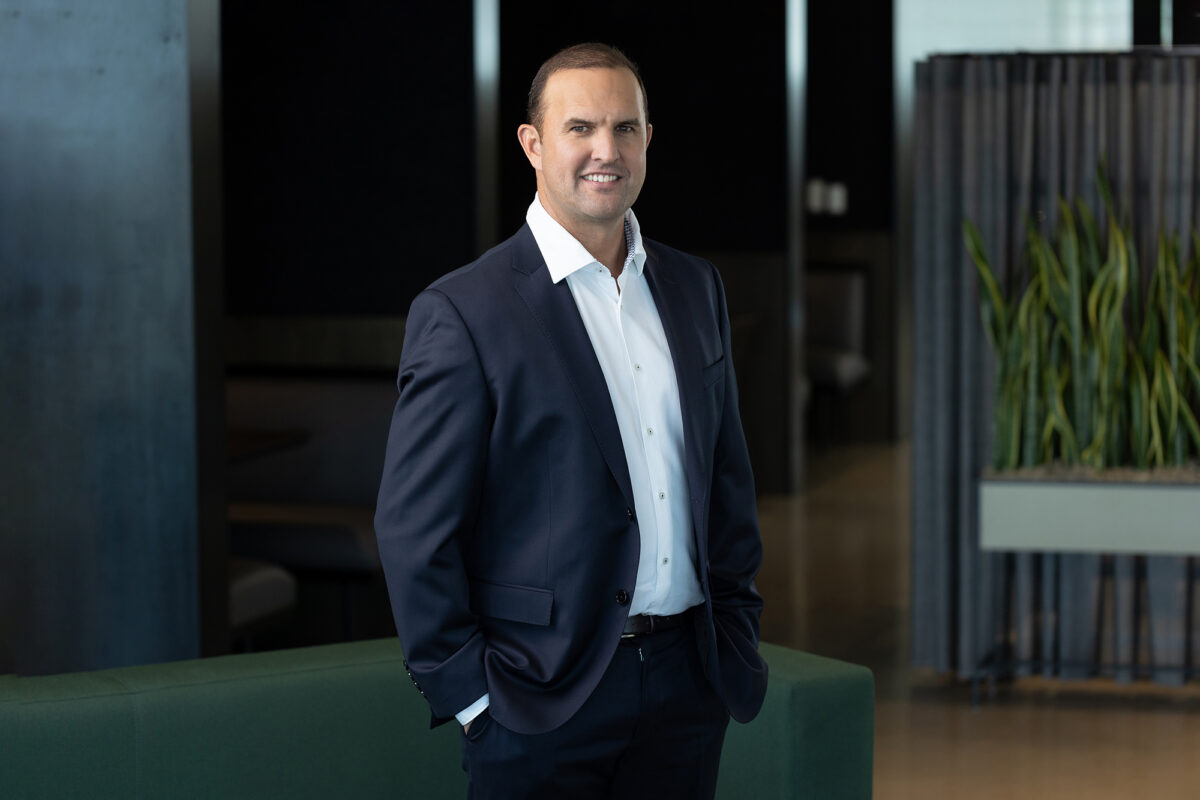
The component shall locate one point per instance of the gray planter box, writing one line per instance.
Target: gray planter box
(1089, 517)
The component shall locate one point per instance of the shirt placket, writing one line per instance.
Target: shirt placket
(637, 351)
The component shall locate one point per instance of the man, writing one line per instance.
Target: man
(567, 515)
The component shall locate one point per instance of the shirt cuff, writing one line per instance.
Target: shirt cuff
(474, 710)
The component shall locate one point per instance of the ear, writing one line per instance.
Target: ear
(531, 143)
(649, 133)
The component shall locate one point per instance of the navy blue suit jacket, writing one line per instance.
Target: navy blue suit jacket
(505, 519)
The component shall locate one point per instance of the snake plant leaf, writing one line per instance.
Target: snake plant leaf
(1093, 454)
(1050, 426)
(1047, 449)
(1193, 342)
(1013, 412)
(1149, 341)
(1139, 406)
(1194, 269)
(1124, 265)
(1168, 247)
(1189, 420)
(1135, 281)
(1054, 281)
(1110, 346)
(1089, 434)
(1062, 282)
(1091, 239)
(1070, 448)
(1007, 413)
(1116, 353)
(1188, 274)
(1168, 394)
(1191, 370)
(992, 306)
(1103, 282)
(1029, 315)
(1187, 319)
(1094, 363)
(1055, 387)
(1080, 396)
(1155, 453)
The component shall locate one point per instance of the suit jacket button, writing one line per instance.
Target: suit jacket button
(622, 597)
(629, 512)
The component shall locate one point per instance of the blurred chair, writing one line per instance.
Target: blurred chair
(261, 595)
(308, 504)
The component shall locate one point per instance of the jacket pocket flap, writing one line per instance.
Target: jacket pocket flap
(514, 603)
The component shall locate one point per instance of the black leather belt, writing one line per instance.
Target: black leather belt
(643, 624)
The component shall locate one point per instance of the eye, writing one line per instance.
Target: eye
(625, 128)
(579, 128)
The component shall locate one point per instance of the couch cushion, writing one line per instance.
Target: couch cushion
(331, 721)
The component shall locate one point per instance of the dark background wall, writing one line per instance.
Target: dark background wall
(348, 149)
(97, 407)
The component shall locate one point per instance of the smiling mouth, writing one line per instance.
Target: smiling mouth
(600, 178)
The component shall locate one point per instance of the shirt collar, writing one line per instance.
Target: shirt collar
(563, 252)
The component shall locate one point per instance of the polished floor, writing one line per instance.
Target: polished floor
(836, 582)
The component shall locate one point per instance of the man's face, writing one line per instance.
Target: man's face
(590, 154)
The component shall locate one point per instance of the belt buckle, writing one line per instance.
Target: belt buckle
(648, 620)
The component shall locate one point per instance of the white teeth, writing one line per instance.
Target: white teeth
(600, 178)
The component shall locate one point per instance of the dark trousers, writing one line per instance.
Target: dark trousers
(653, 728)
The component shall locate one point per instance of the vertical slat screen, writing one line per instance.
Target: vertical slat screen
(996, 138)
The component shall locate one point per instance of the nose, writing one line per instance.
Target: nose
(604, 146)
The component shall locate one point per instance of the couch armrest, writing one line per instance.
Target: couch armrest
(813, 738)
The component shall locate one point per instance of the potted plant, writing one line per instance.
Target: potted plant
(1097, 390)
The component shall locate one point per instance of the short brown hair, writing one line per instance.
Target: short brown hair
(589, 55)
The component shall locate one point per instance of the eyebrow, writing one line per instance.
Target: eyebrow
(571, 123)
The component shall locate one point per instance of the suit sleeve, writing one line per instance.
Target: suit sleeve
(428, 502)
(735, 548)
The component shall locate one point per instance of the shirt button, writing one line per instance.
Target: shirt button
(662, 495)
(622, 597)
(666, 560)
(649, 431)
(637, 367)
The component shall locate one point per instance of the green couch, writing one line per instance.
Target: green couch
(344, 721)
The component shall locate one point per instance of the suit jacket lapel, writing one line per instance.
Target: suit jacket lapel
(688, 365)
(554, 308)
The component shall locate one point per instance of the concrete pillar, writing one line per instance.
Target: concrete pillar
(98, 498)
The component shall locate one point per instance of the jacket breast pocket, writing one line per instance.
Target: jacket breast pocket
(513, 603)
(714, 372)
